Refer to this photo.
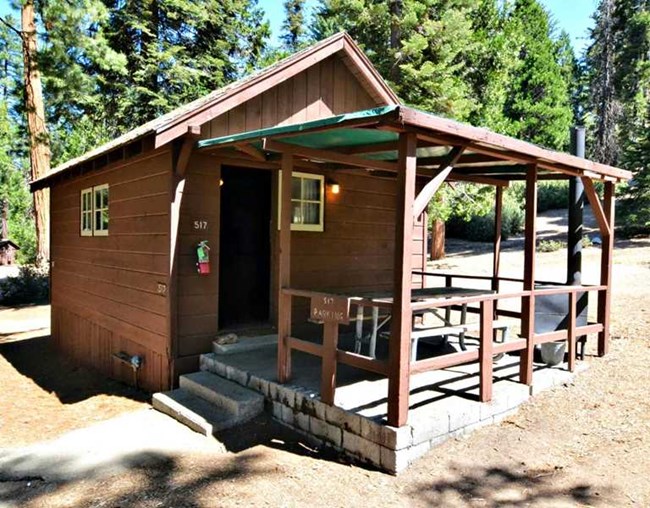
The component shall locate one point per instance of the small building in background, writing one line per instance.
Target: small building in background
(8, 252)
(7, 247)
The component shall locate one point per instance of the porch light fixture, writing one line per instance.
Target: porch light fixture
(334, 186)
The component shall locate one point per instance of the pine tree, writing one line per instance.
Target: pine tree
(293, 28)
(14, 190)
(538, 102)
(73, 56)
(602, 99)
(39, 142)
(419, 45)
(492, 63)
(178, 51)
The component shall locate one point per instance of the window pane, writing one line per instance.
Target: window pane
(98, 219)
(105, 198)
(296, 213)
(311, 213)
(104, 226)
(311, 189)
(295, 188)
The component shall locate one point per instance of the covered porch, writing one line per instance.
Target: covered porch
(421, 152)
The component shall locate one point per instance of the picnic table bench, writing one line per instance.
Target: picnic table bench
(425, 332)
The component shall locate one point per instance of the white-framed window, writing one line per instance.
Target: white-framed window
(87, 212)
(94, 211)
(307, 201)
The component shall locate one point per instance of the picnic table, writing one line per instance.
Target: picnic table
(422, 295)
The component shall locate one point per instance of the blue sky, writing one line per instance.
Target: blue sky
(574, 16)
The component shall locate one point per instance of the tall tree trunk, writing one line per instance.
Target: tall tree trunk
(39, 154)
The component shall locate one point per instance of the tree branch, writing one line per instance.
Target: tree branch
(11, 27)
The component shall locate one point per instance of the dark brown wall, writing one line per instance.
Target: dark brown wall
(197, 295)
(325, 89)
(105, 290)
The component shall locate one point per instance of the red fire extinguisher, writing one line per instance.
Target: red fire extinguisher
(203, 258)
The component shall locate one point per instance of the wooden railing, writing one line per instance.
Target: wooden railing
(331, 355)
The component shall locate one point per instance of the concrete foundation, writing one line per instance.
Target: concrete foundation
(442, 403)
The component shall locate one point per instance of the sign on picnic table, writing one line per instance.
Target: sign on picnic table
(330, 309)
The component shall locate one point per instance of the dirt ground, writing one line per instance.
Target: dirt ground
(42, 394)
(581, 445)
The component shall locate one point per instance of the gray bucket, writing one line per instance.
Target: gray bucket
(553, 353)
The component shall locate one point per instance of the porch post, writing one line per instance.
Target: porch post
(528, 302)
(284, 270)
(496, 261)
(606, 259)
(400, 336)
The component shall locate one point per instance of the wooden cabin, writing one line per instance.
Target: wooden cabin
(308, 180)
(8, 252)
(7, 247)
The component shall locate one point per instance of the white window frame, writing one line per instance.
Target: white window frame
(86, 212)
(320, 227)
(97, 231)
(94, 229)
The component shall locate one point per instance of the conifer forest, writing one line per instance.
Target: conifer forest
(77, 73)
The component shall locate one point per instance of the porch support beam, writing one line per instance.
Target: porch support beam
(528, 302)
(251, 150)
(596, 206)
(190, 139)
(496, 259)
(467, 160)
(484, 180)
(607, 251)
(429, 190)
(400, 342)
(326, 155)
(284, 271)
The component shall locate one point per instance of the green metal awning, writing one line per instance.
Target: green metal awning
(322, 139)
(334, 137)
(487, 154)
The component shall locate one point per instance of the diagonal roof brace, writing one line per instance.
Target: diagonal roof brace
(422, 200)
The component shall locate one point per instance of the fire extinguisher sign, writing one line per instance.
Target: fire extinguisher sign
(203, 258)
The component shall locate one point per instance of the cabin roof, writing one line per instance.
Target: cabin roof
(8, 243)
(373, 134)
(176, 123)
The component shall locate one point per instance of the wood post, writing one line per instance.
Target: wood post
(421, 202)
(571, 332)
(496, 261)
(284, 271)
(400, 340)
(328, 362)
(606, 260)
(528, 302)
(485, 351)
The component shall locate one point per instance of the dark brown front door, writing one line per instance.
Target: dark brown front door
(245, 247)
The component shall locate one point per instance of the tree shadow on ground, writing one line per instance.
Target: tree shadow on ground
(144, 479)
(152, 478)
(37, 359)
(499, 486)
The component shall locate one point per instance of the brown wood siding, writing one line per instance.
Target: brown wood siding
(328, 88)
(325, 89)
(355, 252)
(198, 295)
(105, 289)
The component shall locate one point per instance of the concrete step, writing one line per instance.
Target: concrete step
(246, 344)
(236, 400)
(192, 411)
